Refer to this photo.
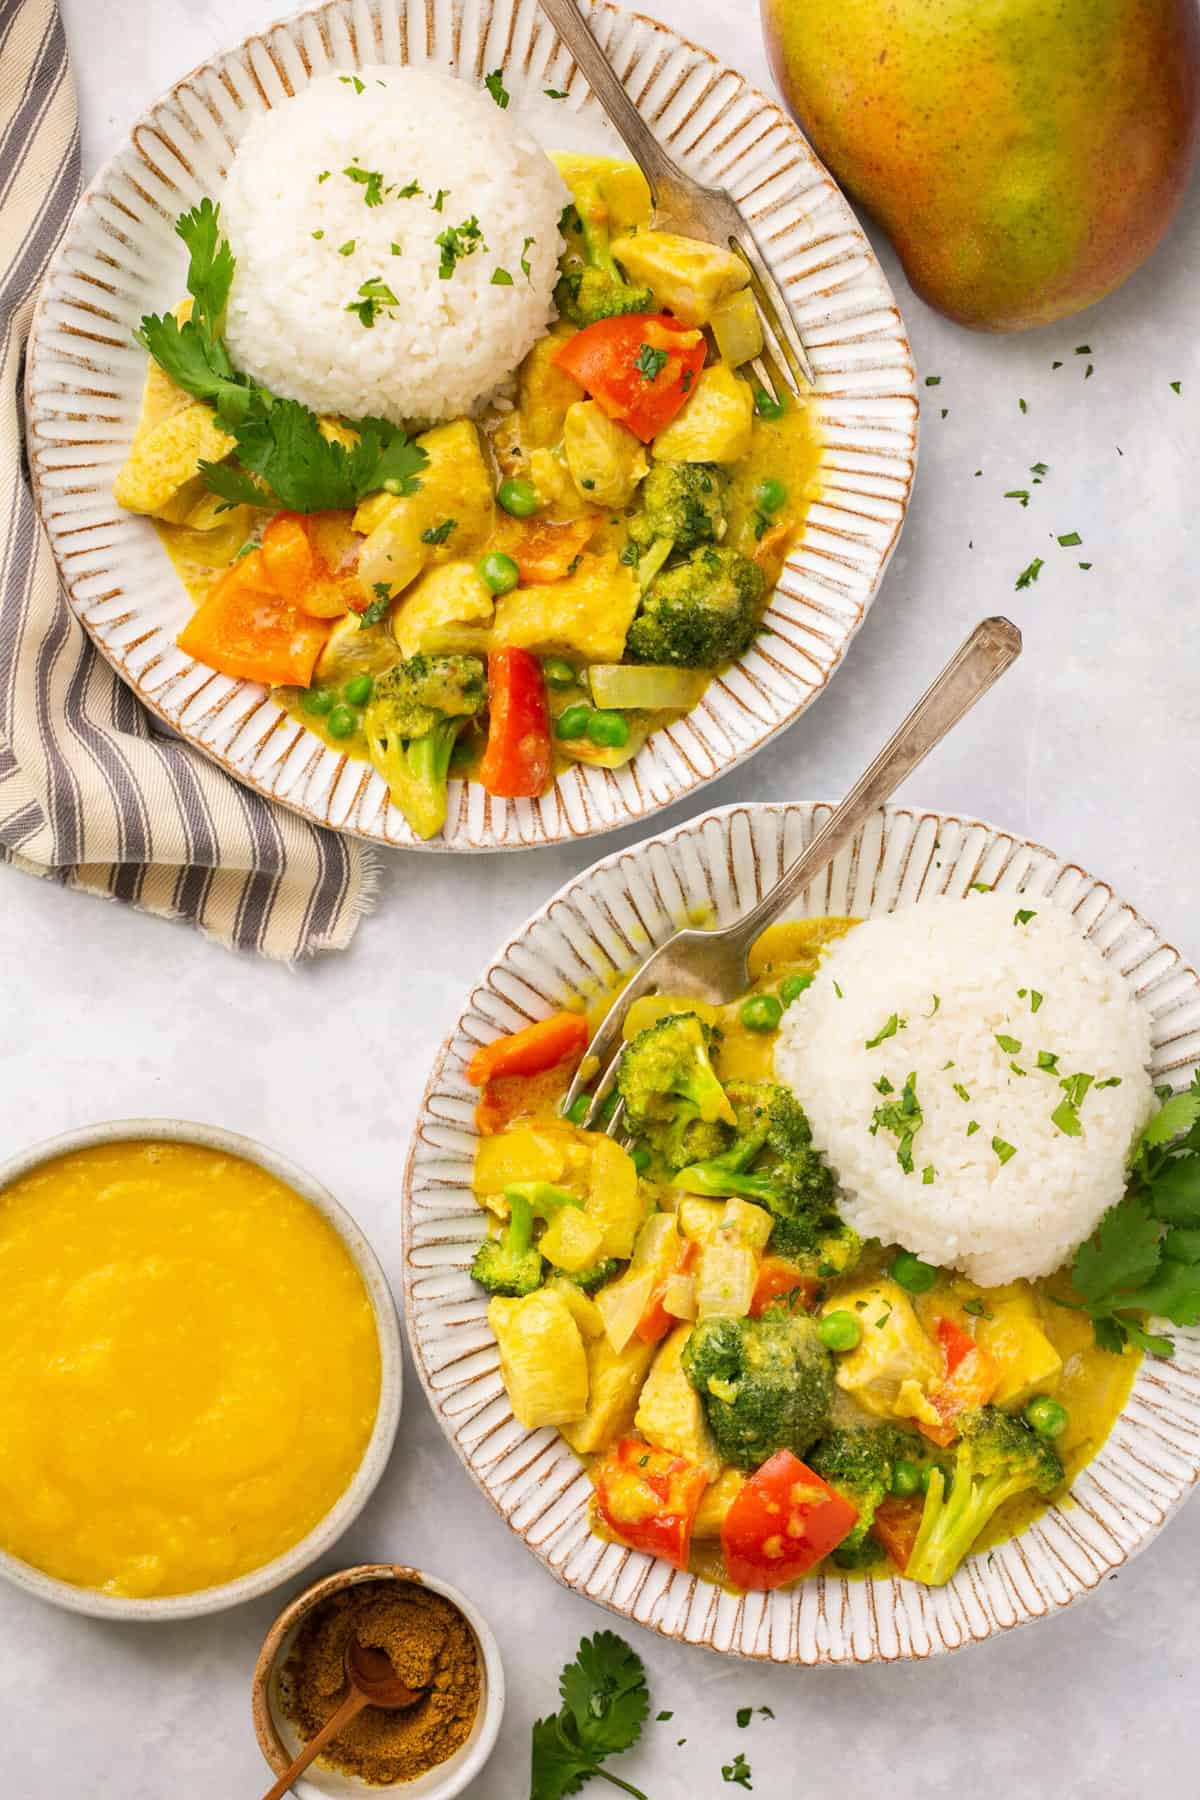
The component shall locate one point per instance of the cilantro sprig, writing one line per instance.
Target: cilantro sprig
(605, 1704)
(1144, 1258)
(283, 456)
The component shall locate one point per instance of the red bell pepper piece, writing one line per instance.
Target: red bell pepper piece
(969, 1378)
(517, 761)
(648, 1498)
(530, 1050)
(781, 1283)
(781, 1524)
(656, 1321)
(509, 1097)
(896, 1524)
(639, 368)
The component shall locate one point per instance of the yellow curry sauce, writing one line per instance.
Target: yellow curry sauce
(1092, 1384)
(189, 1368)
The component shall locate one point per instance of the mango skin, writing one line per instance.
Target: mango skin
(1024, 156)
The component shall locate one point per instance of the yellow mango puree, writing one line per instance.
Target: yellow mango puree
(189, 1368)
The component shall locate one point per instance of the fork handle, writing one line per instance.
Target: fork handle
(575, 32)
(984, 656)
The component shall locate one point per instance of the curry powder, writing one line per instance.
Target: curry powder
(431, 1647)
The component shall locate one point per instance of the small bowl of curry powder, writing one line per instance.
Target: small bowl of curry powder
(437, 1642)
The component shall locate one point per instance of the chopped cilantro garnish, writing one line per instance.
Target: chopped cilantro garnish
(1023, 915)
(933, 381)
(494, 83)
(437, 534)
(1035, 999)
(410, 190)
(525, 256)
(961, 1091)
(737, 1772)
(439, 199)
(1030, 573)
(1003, 1151)
(1109, 1081)
(1022, 406)
(374, 295)
(744, 1716)
(649, 362)
(346, 249)
(1175, 386)
(1011, 1046)
(457, 242)
(973, 1127)
(371, 179)
(1069, 539)
(554, 93)
(903, 1118)
(894, 1024)
(977, 1308)
(1048, 1060)
(1021, 494)
(378, 607)
(1066, 1117)
(354, 82)
(501, 278)
(883, 1086)
(927, 1175)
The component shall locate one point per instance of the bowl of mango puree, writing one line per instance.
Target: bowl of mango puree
(200, 1370)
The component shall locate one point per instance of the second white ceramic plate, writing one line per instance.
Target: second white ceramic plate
(121, 259)
(597, 927)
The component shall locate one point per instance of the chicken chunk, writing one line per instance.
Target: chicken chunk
(715, 423)
(615, 1378)
(588, 615)
(542, 1358)
(670, 1412)
(687, 276)
(894, 1349)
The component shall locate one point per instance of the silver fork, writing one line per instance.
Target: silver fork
(711, 965)
(693, 209)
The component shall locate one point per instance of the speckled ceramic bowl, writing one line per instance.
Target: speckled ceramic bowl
(379, 1446)
(280, 1742)
(120, 259)
(605, 922)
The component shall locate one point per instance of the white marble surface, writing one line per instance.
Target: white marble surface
(1089, 745)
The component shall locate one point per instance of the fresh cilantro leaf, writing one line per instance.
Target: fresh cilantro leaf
(501, 278)
(1133, 1331)
(1122, 1254)
(737, 1772)
(558, 94)
(457, 242)
(1175, 1191)
(494, 83)
(210, 266)
(437, 534)
(1003, 1151)
(377, 611)
(1030, 573)
(604, 1691)
(233, 485)
(559, 1767)
(1172, 1293)
(1069, 539)
(354, 82)
(1011, 1046)
(744, 1716)
(1176, 1115)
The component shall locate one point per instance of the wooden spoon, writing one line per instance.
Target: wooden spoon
(372, 1682)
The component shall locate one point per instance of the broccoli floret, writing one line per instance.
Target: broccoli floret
(412, 723)
(766, 1383)
(821, 1249)
(512, 1263)
(859, 1465)
(595, 1277)
(996, 1458)
(699, 614)
(672, 1095)
(684, 502)
(595, 288)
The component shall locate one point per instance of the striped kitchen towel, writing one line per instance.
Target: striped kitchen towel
(90, 795)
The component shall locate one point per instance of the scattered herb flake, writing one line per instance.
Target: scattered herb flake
(525, 247)
(555, 94)
(1030, 573)
(1048, 1060)
(1003, 1151)
(354, 82)
(1085, 565)
(894, 1024)
(1035, 999)
(374, 295)
(1011, 1046)
(977, 1308)
(1021, 494)
(927, 1175)
(973, 1127)
(378, 607)
(933, 381)
(737, 1772)
(961, 1091)
(439, 199)
(1068, 539)
(371, 179)
(437, 534)
(1022, 406)
(494, 83)
(649, 362)
(410, 190)
(457, 242)
(1175, 386)
(501, 277)
(744, 1716)
(1023, 915)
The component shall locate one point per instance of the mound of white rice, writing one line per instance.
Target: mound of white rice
(308, 237)
(959, 976)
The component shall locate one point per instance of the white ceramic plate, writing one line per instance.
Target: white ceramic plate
(121, 259)
(605, 922)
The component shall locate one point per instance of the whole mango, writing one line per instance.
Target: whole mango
(1024, 156)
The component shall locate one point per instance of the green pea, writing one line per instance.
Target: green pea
(761, 1012)
(578, 1110)
(520, 498)
(839, 1331)
(1048, 1417)
(926, 1471)
(341, 722)
(771, 495)
(792, 986)
(906, 1478)
(573, 723)
(915, 1276)
(608, 1106)
(640, 1158)
(319, 701)
(610, 730)
(499, 573)
(358, 689)
(559, 673)
(766, 406)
